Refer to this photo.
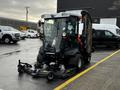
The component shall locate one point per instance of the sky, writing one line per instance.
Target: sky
(15, 9)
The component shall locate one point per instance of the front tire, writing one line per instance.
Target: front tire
(50, 76)
(7, 39)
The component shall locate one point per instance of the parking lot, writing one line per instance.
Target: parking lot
(26, 51)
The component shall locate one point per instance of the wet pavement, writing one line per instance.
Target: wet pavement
(27, 51)
(105, 76)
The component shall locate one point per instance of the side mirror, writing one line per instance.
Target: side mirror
(113, 36)
(39, 23)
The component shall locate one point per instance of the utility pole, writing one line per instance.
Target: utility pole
(27, 13)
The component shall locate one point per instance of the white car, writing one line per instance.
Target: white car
(8, 35)
(31, 33)
(22, 34)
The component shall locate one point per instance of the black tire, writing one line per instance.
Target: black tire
(88, 59)
(7, 39)
(50, 76)
(29, 36)
(23, 38)
(76, 61)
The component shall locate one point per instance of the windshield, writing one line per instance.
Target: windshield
(52, 27)
(57, 29)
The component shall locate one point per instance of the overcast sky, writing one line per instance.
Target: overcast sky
(16, 8)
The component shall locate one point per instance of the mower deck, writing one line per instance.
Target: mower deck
(44, 73)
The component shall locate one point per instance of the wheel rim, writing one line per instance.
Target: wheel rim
(7, 40)
(79, 63)
(50, 76)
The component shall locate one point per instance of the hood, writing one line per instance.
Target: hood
(11, 32)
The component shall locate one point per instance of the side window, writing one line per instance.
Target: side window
(32, 31)
(108, 34)
(99, 33)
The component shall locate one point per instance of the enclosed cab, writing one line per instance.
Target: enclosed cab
(62, 41)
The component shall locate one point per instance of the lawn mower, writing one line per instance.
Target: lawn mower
(65, 50)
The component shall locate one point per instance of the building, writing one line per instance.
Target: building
(17, 23)
(97, 8)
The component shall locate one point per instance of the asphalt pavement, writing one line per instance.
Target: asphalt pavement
(27, 51)
(105, 76)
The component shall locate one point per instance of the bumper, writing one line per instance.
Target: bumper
(16, 38)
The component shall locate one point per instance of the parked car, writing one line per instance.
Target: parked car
(106, 34)
(8, 35)
(23, 35)
(30, 33)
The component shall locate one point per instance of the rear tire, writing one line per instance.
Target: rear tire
(77, 61)
(87, 61)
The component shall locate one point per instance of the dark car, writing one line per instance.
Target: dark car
(105, 37)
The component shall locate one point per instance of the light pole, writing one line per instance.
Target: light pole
(27, 13)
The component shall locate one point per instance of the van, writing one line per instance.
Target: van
(105, 34)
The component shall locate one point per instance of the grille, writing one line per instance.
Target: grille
(17, 35)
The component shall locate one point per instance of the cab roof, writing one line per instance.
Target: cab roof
(76, 13)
